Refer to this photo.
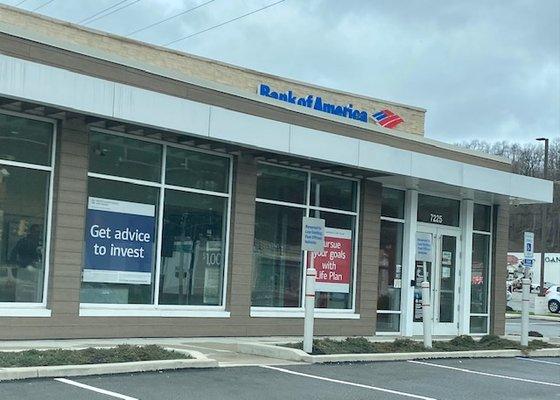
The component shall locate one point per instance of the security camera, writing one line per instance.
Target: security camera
(514, 202)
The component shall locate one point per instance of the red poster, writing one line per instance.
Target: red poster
(333, 265)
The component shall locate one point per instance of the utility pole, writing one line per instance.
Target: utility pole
(543, 217)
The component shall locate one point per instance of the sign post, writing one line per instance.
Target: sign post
(528, 252)
(424, 254)
(525, 299)
(312, 240)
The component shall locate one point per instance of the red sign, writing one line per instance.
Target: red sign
(333, 265)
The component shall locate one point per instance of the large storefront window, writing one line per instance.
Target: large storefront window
(277, 256)
(284, 196)
(192, 249)
(480, 272)
(25, 180)
(156, 214)
(389, 282)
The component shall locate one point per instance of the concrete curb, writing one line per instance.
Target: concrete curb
(276, 351)
(57, 371)
(538, 317)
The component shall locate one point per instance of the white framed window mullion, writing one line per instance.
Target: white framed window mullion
(48, 168)
(334, 211)
(124, 180)
(304, 254)
(48, 234)
(196, 191)
(280, 203)
(490, 267)
(391, 219)
(227, 236)
(159, 233)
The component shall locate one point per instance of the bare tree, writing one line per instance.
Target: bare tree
(528, 159)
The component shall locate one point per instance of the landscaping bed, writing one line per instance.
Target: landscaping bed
(356, 345)
(118, 354)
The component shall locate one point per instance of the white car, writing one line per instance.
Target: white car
(553, 298)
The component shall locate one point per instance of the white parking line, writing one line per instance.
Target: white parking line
(321, 378)
(537, 361)
(208, 348)
(485, 373)
(94, 389)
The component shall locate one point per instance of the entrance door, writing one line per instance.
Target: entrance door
(443, 275)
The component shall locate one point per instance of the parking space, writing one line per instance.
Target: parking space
(432, 379)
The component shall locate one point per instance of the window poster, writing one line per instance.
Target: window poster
(333, 264)
(119, 242)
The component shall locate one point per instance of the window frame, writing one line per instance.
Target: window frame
(490, 234)
(401, 221)
(155, 309)
(442, 196)
(28, 309)
(298, 312)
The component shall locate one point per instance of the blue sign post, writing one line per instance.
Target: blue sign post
(119, 241)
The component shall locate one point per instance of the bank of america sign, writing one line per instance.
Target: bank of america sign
(384, 118)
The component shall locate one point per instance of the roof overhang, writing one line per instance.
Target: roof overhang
(59, 87)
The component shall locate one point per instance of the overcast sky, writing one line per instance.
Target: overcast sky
(483, 69)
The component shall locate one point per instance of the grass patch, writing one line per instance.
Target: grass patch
(118, 354)
(354, 345)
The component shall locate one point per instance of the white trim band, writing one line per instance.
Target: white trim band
(99, 311)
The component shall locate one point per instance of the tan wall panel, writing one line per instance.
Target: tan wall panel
(499, 271)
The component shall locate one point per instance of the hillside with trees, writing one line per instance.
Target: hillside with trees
(528, 159)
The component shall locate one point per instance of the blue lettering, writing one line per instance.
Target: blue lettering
(291, 97)
(315, 103)
(318, 104)
(328, 108)
(264, 90)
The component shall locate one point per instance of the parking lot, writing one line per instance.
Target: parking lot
(487, 379)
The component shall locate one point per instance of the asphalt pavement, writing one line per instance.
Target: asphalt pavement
(550, 329)
(489, 379)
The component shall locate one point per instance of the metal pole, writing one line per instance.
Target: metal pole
(426, 314)
(309, 305)
(543, 221)
(525, 298)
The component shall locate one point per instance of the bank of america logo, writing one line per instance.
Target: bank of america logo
(387, 119)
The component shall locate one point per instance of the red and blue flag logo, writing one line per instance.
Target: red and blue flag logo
(387, 119)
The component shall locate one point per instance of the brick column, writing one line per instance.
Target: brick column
(242, 236)
(499, 270)
(368, 253)
(69, 218)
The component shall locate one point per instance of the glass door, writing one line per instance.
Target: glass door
(446, 284)
(443, 274)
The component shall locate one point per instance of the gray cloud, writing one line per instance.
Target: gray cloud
(483, 69)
